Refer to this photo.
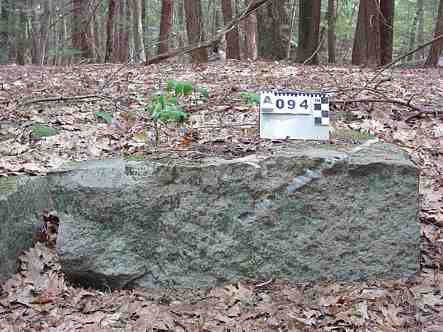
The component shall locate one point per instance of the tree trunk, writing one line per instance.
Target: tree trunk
(232, 37)
(216, 21)
(309, 30)
(413, 32)
(366, 49)
(251, 35)
(95, 36)
(437, 47)
(272, 21)
(121, 34)
(12, 30)
(4, 36)
(420, 29)
(44, 34)
(181, 25)
(332, 16)
(137, 31)
(35, 27)
(165, 26)
(387, 30)
(80, 24)
(359, 49)
(110, 31)
(21, 37)
(194, 28)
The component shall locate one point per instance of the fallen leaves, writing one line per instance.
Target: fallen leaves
(39, 299)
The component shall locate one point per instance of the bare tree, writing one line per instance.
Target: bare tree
(309, 30)
(366, 49)
(121, 44)
(251, 35)
(194, 28)
(437, 47)
(110, 31)
(386, 30)
(21, 38)
(137, 31)
(165, 26)
(80, 24)
(420, 29)
(4, 36)
(232, 37)
(272, 24)
(332, 16)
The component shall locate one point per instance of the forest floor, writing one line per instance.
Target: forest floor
(97, 112)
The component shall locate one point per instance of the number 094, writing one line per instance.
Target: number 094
(291, 104)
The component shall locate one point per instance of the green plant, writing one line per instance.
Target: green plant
(39, 130)
(165, 108)
(250, 97)
(105, 116)
(179, 87)
(185, 88)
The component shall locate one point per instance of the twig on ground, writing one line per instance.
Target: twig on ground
(424, 112)
(388, 101)
(66, 98)
(62, 98)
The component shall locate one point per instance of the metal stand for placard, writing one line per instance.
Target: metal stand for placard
(294, 115)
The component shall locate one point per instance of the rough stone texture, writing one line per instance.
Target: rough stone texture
(303, 213)
(22, 201)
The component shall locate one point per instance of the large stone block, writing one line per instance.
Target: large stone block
(302, 212)
(22, 202)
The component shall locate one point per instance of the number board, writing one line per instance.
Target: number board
(292, 102)
(297, 115)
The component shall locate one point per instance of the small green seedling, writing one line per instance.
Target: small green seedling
(40, 131)
(105, 116)
(179, 87)
(251, 97)
(164, 107)
(182, 88)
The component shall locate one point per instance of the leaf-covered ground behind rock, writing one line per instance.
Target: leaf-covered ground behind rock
(67, 101)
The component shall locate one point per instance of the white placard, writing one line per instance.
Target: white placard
(286, 103)
(297, 115)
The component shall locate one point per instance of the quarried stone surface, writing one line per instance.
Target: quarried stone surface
(302, 212)
(22, 202)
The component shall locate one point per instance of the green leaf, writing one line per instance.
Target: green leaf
(172, 100)
(172, 116)
(39, 130)
(203, 91)
(170, 85)
(105, 116)
(179, 87)
(251, 97)
(183, 88)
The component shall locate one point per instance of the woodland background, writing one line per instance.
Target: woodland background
(365, 32)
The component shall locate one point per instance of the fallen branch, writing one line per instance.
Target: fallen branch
(389, 65)
(388, 101)
(63, 99)
(51, 99)
(424, 112)
(252, 7)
